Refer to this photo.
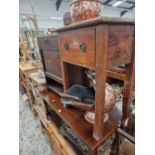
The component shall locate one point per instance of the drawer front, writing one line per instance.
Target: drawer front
(52, 63)
(78, 47)
(49, 43)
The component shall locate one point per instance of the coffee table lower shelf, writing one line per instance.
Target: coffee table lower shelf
(74, 118)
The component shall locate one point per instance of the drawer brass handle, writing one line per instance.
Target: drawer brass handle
(83, 47)
(66, 46)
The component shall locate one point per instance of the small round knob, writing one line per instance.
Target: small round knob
(83, 47)
(66, 46)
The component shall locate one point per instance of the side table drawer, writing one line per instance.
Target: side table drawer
(78, 47)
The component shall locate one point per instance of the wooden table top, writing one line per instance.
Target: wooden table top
(96, 21)
(75, 119)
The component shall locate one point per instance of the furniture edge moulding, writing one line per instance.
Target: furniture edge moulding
(94, 22)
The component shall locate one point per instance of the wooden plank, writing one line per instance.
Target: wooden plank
(101, 67)
(116, 75)
(28, 66)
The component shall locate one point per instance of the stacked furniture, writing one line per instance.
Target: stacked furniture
(49, 50)
(51, 62)
(24, 71)
(38, 84)
(98, 44)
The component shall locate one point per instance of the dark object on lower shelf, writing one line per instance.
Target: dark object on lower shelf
(74, 118)
(79, 105)
(79, 93)
(80, 97)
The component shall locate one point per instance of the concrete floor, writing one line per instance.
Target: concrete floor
(31, 139)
